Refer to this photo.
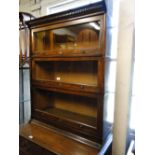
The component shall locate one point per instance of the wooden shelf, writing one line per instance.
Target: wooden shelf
(65, 91)
(80, 72)
(68, 58)
(66, 86)
(59, 83)
(67, 55)
(70, 117)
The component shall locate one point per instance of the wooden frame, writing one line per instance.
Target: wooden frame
(100, 51)
(70, 88)
(73, 107)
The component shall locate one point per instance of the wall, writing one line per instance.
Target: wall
(111, 57)
(39, 7)
(36, 7)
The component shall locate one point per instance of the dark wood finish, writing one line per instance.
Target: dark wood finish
(80, 128)
(93, 9)
(79, 72)
(62, 90)
(67, 82)
(44, 76)
(57, 144)
(70, 116)
(68, 86)
(82, 48)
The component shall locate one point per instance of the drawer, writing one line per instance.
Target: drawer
(66, 124)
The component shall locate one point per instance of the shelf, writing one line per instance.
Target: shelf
(82, 105)
(70, 58)
(66, 86)
(70, 117)
(80, 72)
(67, 54)
(80, 38)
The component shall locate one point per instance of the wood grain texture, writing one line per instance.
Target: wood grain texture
(67, 82)
(53, 142)
(85, 11)
(80, 72)
(87, 40)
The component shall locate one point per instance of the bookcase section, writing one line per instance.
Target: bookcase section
(73, 72)
(67, 73)
(68, 39)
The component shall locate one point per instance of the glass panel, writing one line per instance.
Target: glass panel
(109, 102)
(24, 95)
(77, 72)
(21, 96)
(111, 42)
(110, 76)
(67, 106)
(83, 36)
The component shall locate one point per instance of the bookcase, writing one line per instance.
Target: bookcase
(67, 72)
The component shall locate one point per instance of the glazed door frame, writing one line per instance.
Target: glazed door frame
(99, 51)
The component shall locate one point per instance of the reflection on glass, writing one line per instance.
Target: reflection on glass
(83, 36)
(110, 76)
(78, 72)
(109, 102)
(111, 42)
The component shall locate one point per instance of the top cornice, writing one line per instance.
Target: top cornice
(96, 8)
